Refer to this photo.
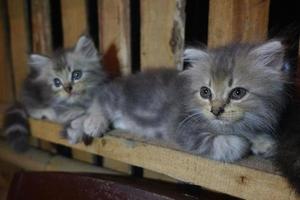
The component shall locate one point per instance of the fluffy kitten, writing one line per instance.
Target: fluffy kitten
(226, 104)
(58, 88)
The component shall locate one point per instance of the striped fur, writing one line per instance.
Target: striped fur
(16, 127)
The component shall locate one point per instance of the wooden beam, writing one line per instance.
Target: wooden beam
(162, 33)
(41, 26)
(42, 40)
(237, 21)
(232, 179)
(114, 28)
(74, 20)
(19, 40)
(6, 78)
(37, 160)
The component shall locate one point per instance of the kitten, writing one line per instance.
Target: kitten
(226, 104)
(58, 88)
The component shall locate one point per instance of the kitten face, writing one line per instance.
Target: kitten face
(237, 82)
(69, 74)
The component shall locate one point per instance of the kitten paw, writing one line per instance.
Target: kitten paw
(95, 125)
(229, 148)
(74, 136)
(77, 123)
(263, 145)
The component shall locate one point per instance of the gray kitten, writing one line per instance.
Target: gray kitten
(58, 88)
(226, 104)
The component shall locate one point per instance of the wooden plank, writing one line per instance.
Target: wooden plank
(74, 21)
(42, 40)
(38, 160)
(227, 178)
(237, 21)
(6, 80)
(162, 33)
(114, 23)
(41, 26)
(19, 40)
(116, 165)
(157, 176)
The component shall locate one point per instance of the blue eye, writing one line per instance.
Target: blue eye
(76, 75)
(57, 82)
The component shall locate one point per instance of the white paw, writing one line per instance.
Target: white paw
(263, 145)
(78, 123)
(95, 125)
(74, 136)
(230, 148)
(47, 113)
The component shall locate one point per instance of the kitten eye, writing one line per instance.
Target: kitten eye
(238, 93)
(76, 75)
(57, 82)
(205, 92)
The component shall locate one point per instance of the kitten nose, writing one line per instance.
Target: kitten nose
(68, 88)
(217, 111)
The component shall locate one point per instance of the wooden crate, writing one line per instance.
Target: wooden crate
(134, 35)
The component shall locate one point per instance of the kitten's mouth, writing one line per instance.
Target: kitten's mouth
(74, 94)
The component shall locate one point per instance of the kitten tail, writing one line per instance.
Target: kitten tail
(16, 128)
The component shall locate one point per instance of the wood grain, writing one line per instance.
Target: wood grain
(6, 78)
(162, 33)
(114, 26)
(237, 21)
(19, 40)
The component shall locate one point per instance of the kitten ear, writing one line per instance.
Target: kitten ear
(270, 54)
(38, 61)
(191, 56)
(86, 47)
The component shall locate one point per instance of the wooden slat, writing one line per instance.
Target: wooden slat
(162, 33)
(235, 180)
(157, 176)
(237, 21)
(116, 165)
(74, 21)
(41, 26)
(41, 39)
(114, 27)
(231, 179)
(19, 40)
(6, 82)
(37, 160)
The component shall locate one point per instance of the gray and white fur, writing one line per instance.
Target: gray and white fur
(226, 104)
(58, 88)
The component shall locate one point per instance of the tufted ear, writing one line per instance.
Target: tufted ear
(192, 56)
(86, 47)
(38, 62)
(270, 54)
